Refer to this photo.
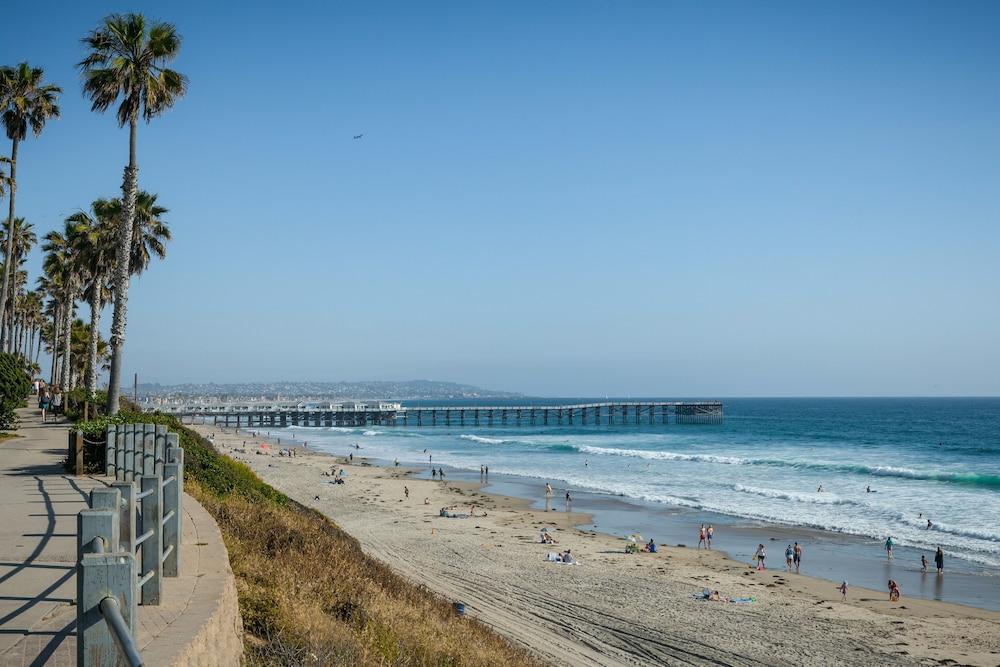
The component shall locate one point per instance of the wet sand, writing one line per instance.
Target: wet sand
(615, 608)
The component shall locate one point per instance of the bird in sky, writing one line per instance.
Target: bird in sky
(358, 136)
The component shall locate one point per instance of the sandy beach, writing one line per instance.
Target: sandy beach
(613, 608)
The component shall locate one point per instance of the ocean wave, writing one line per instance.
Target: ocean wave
(370, 433)
(483, 441)
(920, 523)
(964, 478)
(662, 456)
(817, 498)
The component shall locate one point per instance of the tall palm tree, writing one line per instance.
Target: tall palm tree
(24, 239)
(26, 102)
(93, 238)
(128, 60)
(60, 265)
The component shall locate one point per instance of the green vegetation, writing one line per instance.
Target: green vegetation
(15, 384)
(308, 593)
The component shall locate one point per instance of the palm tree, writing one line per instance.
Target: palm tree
(128, 60)
(93, 239)
(149, 232)
(60, 265)
(24, 240)
(26, 102)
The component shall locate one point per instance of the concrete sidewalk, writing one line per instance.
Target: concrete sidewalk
(198, 619)
(39, 502)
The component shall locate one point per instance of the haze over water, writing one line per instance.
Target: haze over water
(922, 458)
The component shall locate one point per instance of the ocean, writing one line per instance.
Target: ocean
(934, 459)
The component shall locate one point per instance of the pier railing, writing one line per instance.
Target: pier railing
(595, 414)
(127, 541)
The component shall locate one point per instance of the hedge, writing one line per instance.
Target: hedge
(15, 383)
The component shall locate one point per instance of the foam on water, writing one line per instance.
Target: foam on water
(765, 462)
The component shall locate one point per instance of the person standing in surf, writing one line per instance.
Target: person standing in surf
(888, 547)
(939, 560)
(702, 536)
(797, 556)
(709, 534)
(760, 556)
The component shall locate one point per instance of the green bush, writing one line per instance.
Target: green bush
(75, 400)
(15, 383)
(218, 474)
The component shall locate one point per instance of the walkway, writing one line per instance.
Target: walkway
(39, 502)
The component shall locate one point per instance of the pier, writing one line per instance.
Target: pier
(381, 413)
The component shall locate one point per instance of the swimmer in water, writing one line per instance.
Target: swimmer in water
(819, 489)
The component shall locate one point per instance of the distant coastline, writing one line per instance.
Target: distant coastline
(362, 389)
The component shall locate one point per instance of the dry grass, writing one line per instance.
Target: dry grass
(309, 595)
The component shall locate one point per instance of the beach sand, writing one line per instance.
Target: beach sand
(615, 608)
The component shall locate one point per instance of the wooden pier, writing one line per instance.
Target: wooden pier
(597, 414)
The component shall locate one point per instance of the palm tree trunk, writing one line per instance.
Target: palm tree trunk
(38, 350)
(95, 323)
(130, 187)
(67, 341)
(19, 345)
(30, 344)
(56, 328)
(8, 266)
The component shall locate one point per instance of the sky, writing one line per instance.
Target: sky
(562, 198)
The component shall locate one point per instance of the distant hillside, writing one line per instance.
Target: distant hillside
(410, 389)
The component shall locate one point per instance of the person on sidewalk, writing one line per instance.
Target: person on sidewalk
(43, 400)
(57, 401)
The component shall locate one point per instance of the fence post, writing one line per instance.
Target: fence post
(109, 452)
(129, 446)
(101, 575)
(161, 442)
(148, 449)
(173, 496)
(120, 452)
(138, 466)
(77, 438)
(127, 520)
(172, 442)
(92, 524)
(152, 546)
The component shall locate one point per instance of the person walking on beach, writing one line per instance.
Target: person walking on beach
(843, 590)
(709, 534)
(888, 548)
(434, 473)
(797, 556)
(441, 474)
(939, 560)
(923, 563)
(702, 536)
(569, 501)
(788, 557)
(406, 492)
(760, 556)
(487, 472)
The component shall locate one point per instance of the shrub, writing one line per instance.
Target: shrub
(15, 383)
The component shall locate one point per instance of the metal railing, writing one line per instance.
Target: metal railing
(128, 541)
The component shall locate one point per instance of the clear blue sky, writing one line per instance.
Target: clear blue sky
(571, 198)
